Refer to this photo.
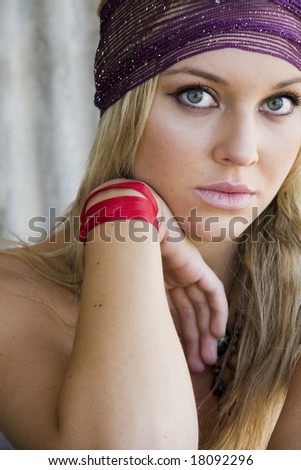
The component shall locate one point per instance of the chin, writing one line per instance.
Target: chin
(215, 231)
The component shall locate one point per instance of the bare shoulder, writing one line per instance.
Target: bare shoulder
(20, 282)
(287, 433)
(38, 321)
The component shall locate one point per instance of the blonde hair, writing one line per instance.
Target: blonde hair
(119, 132)
(268, 268)
(269, 275)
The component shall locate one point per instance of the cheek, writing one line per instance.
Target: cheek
(161, 150)
(279, 152)
(281, 163)
(274, 171)
(170, 146)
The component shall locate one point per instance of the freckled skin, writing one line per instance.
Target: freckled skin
(233, 134)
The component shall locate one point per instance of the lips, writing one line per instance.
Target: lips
(226, 195)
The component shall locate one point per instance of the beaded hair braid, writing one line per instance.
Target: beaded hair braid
(141, 38)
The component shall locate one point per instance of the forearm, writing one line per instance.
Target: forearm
(127, 384)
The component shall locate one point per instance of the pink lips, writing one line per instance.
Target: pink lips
(226, 195)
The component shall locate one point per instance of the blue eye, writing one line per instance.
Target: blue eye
(276, 104)
(196, 97)
(280, 105)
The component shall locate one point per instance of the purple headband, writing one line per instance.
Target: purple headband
(141, 38)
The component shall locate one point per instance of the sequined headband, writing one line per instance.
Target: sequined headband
(141, 38)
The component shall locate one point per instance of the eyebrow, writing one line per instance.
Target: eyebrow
(288, 82)
(197, 73)
(219, 80)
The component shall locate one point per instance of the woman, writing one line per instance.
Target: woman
(201, 102)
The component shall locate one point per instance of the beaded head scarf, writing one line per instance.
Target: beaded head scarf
(141, 38)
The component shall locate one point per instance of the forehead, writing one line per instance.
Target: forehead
(234, 65)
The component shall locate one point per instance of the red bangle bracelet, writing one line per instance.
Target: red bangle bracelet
(119, 208)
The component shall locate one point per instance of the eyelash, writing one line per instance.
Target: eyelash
(294, 97)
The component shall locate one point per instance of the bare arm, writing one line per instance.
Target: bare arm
(124, 383)
(127, 384)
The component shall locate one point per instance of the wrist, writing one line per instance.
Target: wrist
(119, 200)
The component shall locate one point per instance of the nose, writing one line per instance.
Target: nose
(237, 140)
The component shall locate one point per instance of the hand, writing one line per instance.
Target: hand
(195, 294)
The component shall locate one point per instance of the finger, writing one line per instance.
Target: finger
(201, 308)
(217, 300)
(208, 349)
(189, 328)
(185, 267)
(207, 342)
(169, 300)
(174, 312)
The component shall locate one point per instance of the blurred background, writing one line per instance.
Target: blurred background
(47, 117)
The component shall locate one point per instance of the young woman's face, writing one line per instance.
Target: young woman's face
(223, 133)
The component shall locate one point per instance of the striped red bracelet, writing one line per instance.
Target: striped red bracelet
(119, 208)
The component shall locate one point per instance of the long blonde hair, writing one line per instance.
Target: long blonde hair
(269, 278)
(119, 132)
(268, 268)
